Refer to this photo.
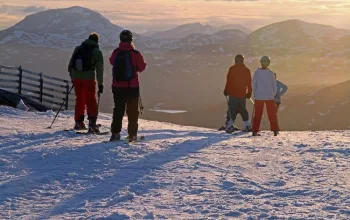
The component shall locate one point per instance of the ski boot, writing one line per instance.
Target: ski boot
(93, 128)
(247, 129)
(132, 138)
(115, 137)
(256, 134)
(79, 124)
(275, 133)
(232, 129)
(222, 128)
(226, 126)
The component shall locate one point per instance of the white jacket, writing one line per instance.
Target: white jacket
(264, 84)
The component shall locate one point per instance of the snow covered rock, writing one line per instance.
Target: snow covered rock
(22, 106)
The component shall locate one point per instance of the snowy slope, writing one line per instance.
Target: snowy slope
(178, 173)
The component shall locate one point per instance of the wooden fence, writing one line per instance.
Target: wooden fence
(51, 91)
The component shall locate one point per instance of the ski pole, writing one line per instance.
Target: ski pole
(98, 102)
(264, 120)
(141, 106)
(253, 114)
(64, 101)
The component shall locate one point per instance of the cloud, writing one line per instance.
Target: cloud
(164, 14)
(21, 10)
(34, 9)
(11, 14)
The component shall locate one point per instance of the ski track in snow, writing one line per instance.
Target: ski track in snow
(177, 173)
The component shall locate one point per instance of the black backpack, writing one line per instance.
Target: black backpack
(82, 58)
(123, 70)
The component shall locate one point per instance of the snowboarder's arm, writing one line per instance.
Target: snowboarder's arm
(70, 65)
(274, 84)
(284, 89)
(112, 58)
(141, 65)
(250, 89)
(255, 82)
(227, 79)
(99, 67)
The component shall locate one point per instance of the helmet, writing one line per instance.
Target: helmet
(265, 60)
(126, 36)
(239, 58)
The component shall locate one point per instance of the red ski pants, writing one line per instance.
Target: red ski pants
(85, 95)
(271, 112)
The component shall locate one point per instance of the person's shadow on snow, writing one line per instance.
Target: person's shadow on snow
(130, 173)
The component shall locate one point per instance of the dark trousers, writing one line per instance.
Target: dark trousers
(125, 99)
(237, 105)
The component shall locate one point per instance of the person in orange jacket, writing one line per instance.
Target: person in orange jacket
(238, 88)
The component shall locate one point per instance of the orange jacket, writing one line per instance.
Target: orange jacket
(239, 80)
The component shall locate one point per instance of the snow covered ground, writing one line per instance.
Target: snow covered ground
(177, 173)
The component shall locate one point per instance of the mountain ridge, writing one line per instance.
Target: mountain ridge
(61, 28)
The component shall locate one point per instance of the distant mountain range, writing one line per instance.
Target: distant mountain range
(187, 66)
(65, 28)
(186, 30)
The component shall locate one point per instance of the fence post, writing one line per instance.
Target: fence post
(41, 87)
(20, 80)
(67, 95)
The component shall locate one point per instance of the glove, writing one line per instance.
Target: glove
(225, 93)
(100, 89)
(248, 95)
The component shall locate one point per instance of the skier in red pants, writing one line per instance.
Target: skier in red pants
(265, 91)
(85, 65)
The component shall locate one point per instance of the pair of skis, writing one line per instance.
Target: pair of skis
(126, 140)
(86, 131)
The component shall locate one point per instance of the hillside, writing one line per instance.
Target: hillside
(177, 173)
(325, 109)
(295, 36)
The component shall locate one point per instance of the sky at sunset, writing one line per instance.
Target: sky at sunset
(150, 15)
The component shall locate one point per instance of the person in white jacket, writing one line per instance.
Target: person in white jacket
(265, 91)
